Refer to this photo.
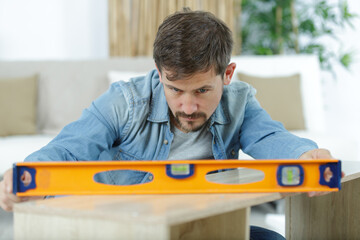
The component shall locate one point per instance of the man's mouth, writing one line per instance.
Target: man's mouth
(187, 122)
(191, 117)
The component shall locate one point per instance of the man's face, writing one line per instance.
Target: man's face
(193, 100)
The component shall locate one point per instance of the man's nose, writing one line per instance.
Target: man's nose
(189, 104)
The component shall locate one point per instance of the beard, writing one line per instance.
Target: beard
(199, 118)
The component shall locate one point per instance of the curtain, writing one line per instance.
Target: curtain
(133, 23)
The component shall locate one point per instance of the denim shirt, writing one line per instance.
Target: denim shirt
(131, 122)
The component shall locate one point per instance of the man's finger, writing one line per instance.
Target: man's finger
(26, 178)
(7, 202)
(6, 207)
(14, 198)
(328, 174)
(321, 153)
(8, 181)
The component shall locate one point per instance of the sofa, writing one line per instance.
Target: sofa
(38, 98)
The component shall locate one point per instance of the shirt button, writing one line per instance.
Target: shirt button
(166, 142)
(233, 152)
(151, 177)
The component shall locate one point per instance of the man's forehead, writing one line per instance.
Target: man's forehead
(194, 84)
(205, 75)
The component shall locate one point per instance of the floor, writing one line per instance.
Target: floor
(270, 216)
(6, 225)
(263, 215)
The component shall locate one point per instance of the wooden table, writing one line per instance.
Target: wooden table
(192, 216)
(333, 216)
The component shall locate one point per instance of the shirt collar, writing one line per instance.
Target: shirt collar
(220, 116)
(159, 109)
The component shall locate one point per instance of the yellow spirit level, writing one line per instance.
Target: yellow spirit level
(175, 177)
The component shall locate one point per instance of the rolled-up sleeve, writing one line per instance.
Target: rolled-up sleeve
(92, 134)
(263, 138)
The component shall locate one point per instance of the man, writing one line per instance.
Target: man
(185, 109)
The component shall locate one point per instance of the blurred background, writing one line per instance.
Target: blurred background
(66, 30)
(85, 29)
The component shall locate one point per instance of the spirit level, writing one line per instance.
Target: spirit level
(170, 177)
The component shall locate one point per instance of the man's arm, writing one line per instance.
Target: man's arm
(263, 138)
(72, 143)
(92, 135)
(85, 139)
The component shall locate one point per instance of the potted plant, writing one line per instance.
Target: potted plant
(271, 27)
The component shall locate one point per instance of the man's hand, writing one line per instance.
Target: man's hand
(7, 198)
(320, 154)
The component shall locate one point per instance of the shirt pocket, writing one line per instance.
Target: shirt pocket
(126, 156)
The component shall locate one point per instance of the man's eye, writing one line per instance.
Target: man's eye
(202, 90)
(175, 89)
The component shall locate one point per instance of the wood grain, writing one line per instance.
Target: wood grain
(232, 225)
(44, 226)
(133, 217)
(333, 216)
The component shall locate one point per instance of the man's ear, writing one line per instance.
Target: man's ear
(160, 77)
(229, 72)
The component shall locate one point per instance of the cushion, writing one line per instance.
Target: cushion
(18, 105)
(280, 97)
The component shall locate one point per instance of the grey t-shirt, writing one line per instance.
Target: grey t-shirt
(192, 145)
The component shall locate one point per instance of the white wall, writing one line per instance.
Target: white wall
(341, 94)
(53, 29)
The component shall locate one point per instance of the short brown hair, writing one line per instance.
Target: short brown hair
(189, 42)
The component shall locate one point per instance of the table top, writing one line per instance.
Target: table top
(351, 170)
(170, 209)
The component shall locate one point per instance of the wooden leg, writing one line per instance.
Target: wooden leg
(232, 225)
(45, 226)
(333, 216)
